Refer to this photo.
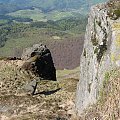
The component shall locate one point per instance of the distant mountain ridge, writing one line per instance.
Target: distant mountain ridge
(44, 5)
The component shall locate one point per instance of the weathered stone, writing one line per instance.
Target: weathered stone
(39, 60)
(101, 54)
(31, 87)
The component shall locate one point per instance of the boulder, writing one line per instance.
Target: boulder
(39, 61)
(100, 55)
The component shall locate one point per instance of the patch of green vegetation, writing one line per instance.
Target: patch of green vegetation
(3, 36)
(38, 15)
(3, 58)
(74, 24)
(94, 41)
(93, 36)
(107, 77)
(11, 19)
(63, 73)
(105, 90)
(117, 13)
(2, 22)
(58, 15)
(102, 50)
(96, 50)
(107, 106)
(89, 87)
(114, 9)
(35, 14)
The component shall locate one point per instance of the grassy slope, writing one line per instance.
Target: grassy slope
(68, 73)
(20, 35)
(30, 37)
(38, 15)
(57, 15)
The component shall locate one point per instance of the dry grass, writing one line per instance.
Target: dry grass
(108, 106)
(52, 100)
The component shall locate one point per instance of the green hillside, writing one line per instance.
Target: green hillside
(42, 10)
(37, 15)
(16, 36)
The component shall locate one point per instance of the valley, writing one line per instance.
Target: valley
(59, 24)
(59, 36)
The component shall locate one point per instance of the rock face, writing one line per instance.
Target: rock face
(101, 53)
(39, 60)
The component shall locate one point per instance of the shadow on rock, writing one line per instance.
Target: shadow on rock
(48, 92)
(39, 61)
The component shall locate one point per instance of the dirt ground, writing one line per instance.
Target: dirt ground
(53, 100)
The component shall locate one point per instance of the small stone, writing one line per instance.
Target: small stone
(30, 87)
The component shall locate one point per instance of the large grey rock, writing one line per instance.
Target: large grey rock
(100, 54)
(39, 61)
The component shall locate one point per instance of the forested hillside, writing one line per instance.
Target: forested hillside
(60, 36)
(27, 22)
(62, 27)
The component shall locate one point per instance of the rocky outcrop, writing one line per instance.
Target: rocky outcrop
(39, 61)
(101, 53)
